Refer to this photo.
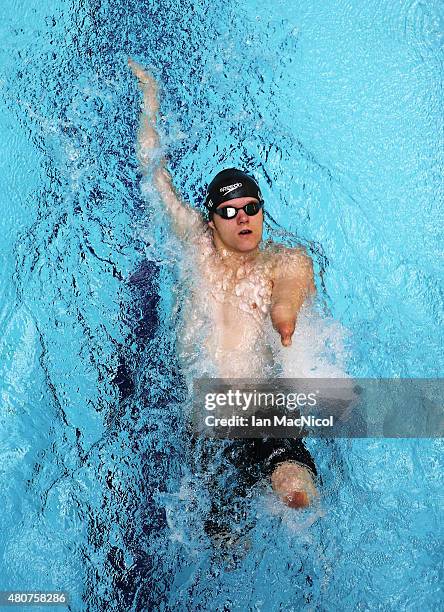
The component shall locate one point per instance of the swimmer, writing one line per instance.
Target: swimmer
(241, 285)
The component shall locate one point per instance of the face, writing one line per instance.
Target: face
(240, 234)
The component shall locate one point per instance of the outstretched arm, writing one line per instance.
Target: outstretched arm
(292, 285)
(183, 217)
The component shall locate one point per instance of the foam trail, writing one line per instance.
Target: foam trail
(317, 351)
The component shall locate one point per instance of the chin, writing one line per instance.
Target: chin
(246, 248)
(247, 245)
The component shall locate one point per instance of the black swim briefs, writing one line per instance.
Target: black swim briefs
(256, 458)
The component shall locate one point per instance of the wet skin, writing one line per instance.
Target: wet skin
(243, 233)
(292, 482)
(235, 243)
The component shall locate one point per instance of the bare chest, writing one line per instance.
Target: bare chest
(247, 288)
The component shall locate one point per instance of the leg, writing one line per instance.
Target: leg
(293, 483)
(292, 470)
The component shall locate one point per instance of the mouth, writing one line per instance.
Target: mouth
(245, 232)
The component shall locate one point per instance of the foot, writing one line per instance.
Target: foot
(294, 485)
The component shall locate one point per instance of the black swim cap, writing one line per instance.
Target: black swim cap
(228, 185)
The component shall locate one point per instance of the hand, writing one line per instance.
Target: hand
(286, 331)
(147, 84)
(141, 74)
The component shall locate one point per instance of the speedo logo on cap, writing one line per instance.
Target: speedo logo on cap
(229, 188)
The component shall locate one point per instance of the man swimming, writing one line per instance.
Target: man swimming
(242, 285)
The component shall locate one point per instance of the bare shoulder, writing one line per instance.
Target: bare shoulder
(289, 262)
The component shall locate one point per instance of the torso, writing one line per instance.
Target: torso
(235, 301)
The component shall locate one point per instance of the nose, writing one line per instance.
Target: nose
(242, 217)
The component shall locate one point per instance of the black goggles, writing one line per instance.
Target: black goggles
(229, 212)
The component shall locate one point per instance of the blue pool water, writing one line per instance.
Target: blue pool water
(337, 107)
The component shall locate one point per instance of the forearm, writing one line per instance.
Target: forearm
(148, 142)
(150, 156)
(150, 160)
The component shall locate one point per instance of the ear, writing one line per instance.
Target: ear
(211, 224)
